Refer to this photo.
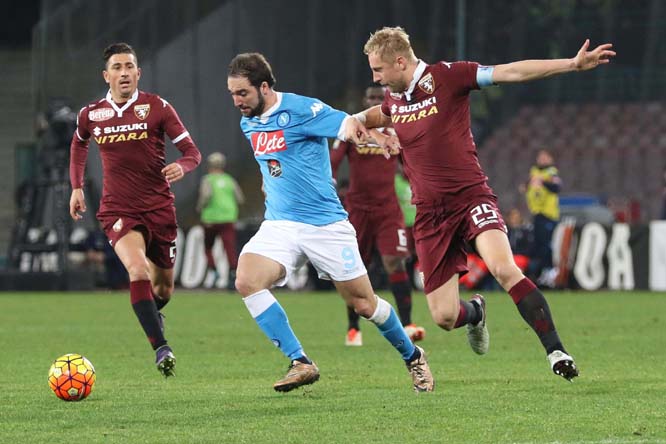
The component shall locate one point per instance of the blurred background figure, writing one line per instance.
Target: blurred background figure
(520, 237)
(542, 194)
(219, 198)
(101, 260)
(404, 193)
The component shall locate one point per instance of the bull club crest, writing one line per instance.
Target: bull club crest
(427, 84)
(142, 111)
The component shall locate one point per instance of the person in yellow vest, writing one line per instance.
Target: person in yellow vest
(219, 198)
(544, 204)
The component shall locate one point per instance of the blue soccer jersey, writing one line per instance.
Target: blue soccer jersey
(289, 143)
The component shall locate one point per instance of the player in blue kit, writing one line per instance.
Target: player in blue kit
(304, 218)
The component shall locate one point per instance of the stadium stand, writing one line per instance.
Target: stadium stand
(612, 151)
(17, 126)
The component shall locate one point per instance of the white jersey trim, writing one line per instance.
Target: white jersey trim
(341, 131)
(181, 137)
(120, 111)
(420, 69)
(79, 136)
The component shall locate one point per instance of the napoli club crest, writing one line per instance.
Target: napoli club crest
(274, 168)
(283, 119)
(142, 111)
(427, 84)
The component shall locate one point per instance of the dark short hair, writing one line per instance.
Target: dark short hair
(118, 48)
(254, 67)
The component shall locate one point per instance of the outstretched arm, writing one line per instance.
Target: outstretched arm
(373, 117)
(526, 70)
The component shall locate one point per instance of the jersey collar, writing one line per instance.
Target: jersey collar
(127, 104)
(418, 72)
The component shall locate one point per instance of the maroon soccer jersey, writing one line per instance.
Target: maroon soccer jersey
(433, 125)
(130, 137)
(371, 175)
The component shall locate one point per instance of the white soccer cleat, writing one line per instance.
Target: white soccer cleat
(477, 335)
(415, 332)
(354, 338)
(563, 365)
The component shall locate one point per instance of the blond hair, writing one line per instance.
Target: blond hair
(389, 43)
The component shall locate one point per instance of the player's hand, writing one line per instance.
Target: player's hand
(173, 172)
(356, 132)
(391, 145)
(77, 204)
(600, 55)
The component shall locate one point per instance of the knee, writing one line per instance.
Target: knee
(446, 320)
(364, 307)
(505, 272)
(245, 285)
(138, 270)
(163, 290)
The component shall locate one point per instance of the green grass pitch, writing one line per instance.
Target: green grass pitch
(223, 389)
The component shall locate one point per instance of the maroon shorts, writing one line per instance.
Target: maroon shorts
(443, 231)
(158, 227)
(383, 230)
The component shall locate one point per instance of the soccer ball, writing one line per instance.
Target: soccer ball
(71, 377)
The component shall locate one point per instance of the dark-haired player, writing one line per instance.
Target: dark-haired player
(304, 218)
(137, 208)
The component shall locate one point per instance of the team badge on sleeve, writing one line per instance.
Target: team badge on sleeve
(142, 111)
(427, 84)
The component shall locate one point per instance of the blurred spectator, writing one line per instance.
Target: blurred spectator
(219, 197)
(55, 127)
(520, 234)
(544, 204)
(520, 237)
(102, 259)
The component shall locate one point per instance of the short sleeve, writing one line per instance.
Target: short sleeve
(461, 76)
(171, 122)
